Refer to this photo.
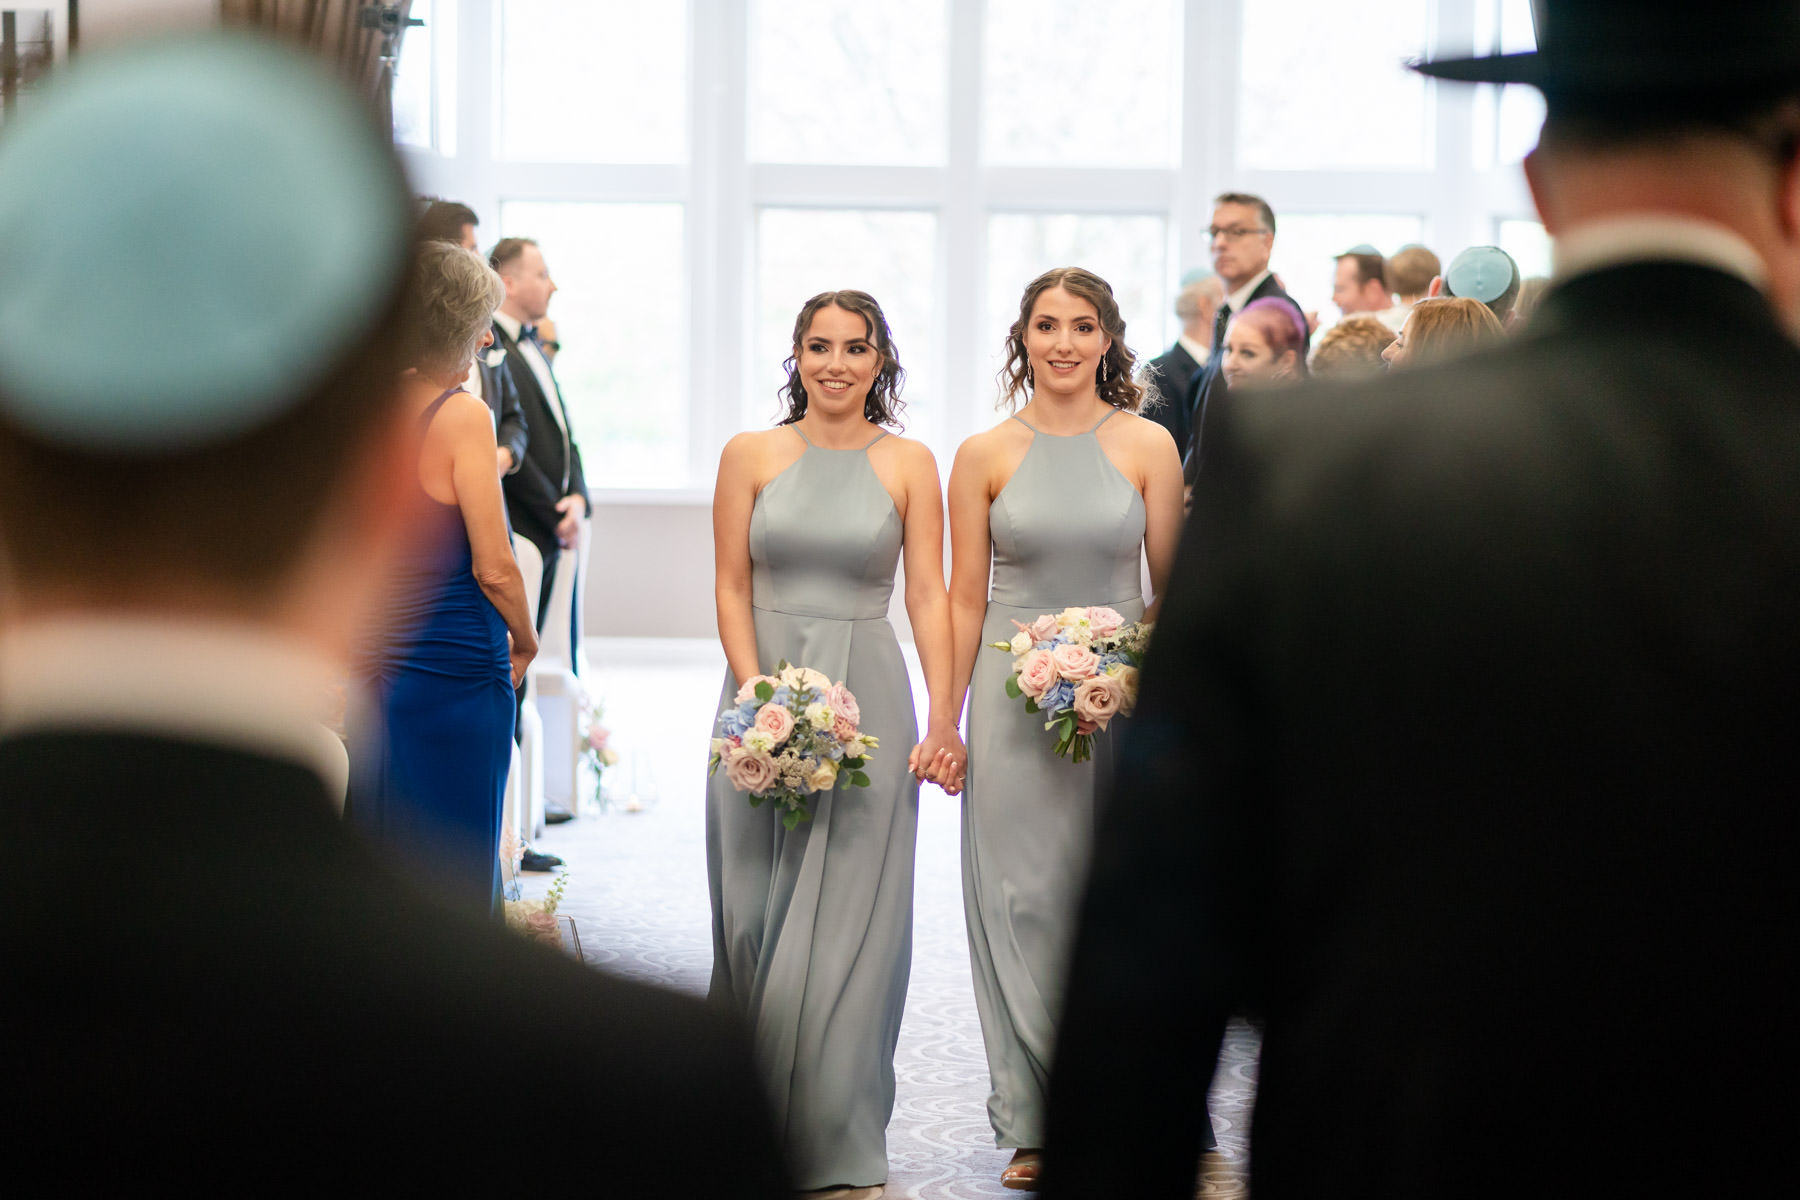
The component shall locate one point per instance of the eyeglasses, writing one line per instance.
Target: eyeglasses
(1235, 233)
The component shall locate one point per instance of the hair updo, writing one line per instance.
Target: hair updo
(1112, 378)
(883, 404)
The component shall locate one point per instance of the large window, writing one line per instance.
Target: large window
(695, 169)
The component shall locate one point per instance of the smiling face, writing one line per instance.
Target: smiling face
(837, 362)
(1064, 343)
(1249, 360)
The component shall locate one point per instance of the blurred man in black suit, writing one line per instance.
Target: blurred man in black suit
(547, 497)
(1464, 747)
(192, 545)
(1243, 237)
(1174, 369)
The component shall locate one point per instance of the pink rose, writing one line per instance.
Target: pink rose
(1042, 629)
(1075, 662)
(1098, 699)
(748, 691)
(1104, 622)
(843, 729)
(843, 704)
(1037, 673)
(749, 771)
(597, 735)
(776, 721)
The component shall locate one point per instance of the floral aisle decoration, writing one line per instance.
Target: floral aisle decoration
(791, 734)
(595, 748)
(536, 919)
(1079, 666)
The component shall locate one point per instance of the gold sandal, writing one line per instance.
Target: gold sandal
(1021, 1173)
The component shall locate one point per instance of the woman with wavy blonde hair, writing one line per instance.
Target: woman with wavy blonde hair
(1054, 507)
(1443, 327)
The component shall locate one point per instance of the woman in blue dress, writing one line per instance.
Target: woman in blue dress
(1059, 506)
(431, 736)
(812, 926)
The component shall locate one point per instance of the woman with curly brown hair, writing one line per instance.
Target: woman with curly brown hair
(1055, 507)
(812, 926)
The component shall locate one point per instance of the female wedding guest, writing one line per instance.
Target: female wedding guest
(1351, 349)
(1443, 327)
(1264, 344)
(431, 742)
(812, 926)
(1054, 508)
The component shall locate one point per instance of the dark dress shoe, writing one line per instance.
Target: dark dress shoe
(556, 814)
(531, 860)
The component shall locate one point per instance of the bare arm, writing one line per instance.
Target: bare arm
(1164, 505)
(928, 608)
(733, 497)
(971, 558)
(470, 432)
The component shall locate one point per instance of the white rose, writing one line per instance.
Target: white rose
(760, 740)
(824, 776)
(819, 715)
(1021, 642)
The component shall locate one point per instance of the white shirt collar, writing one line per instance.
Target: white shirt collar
(197, 680)
(510, 323)
(1647, 237)
(1241, 297)
(1195, 350)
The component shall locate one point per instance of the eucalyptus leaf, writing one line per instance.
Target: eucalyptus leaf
(765, 691)
(859, 779)
(1012, 687)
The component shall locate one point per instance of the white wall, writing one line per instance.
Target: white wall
(103, 19)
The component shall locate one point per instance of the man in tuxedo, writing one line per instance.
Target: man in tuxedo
(547, 497)
(1463, 748)
(1173, 370)
(193, 543)
(490, 380)
(1243, 237)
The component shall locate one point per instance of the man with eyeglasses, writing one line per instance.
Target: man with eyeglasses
(1243, 236)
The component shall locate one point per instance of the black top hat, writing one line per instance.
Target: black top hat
(1625, 47)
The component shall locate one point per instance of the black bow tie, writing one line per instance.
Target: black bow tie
(528, 331)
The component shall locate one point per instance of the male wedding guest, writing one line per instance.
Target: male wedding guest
(1172, 371)
(547, 497)
(1243, 236)
(1484, 273)
(1359, 286)
(193, 542)
(1463, 752)
(491, 380)
(1410, 271)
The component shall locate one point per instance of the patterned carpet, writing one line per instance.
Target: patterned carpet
(638, 893)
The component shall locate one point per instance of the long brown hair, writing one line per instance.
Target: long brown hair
(1446, 326)
(883, 404)
(1112, 378)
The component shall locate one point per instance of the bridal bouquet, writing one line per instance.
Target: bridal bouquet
(789, 735)
(1080, 666)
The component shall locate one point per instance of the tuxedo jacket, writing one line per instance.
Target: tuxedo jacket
(1208, 383)
(225, 975)
(1464, 759)
(1172, 372)
(502, 396)
(552, 465)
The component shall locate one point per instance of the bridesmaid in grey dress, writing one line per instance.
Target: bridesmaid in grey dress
(812, 927)
(1055, 507)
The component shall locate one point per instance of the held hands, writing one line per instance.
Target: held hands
(942, 759)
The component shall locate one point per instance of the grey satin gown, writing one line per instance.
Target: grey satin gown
(1067, 529)
(812, 927)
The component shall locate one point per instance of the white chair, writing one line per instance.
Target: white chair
(334, 756)
(556, 691)
(525, 780)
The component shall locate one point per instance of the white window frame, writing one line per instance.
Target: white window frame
(721, 192)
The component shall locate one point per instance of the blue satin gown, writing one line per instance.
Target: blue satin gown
(431, 742)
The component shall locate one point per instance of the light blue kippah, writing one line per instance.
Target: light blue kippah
(192, 230)
(1194, 275)
(1481, 273)
(1361, 248)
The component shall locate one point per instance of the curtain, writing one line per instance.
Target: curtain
(333, 29)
